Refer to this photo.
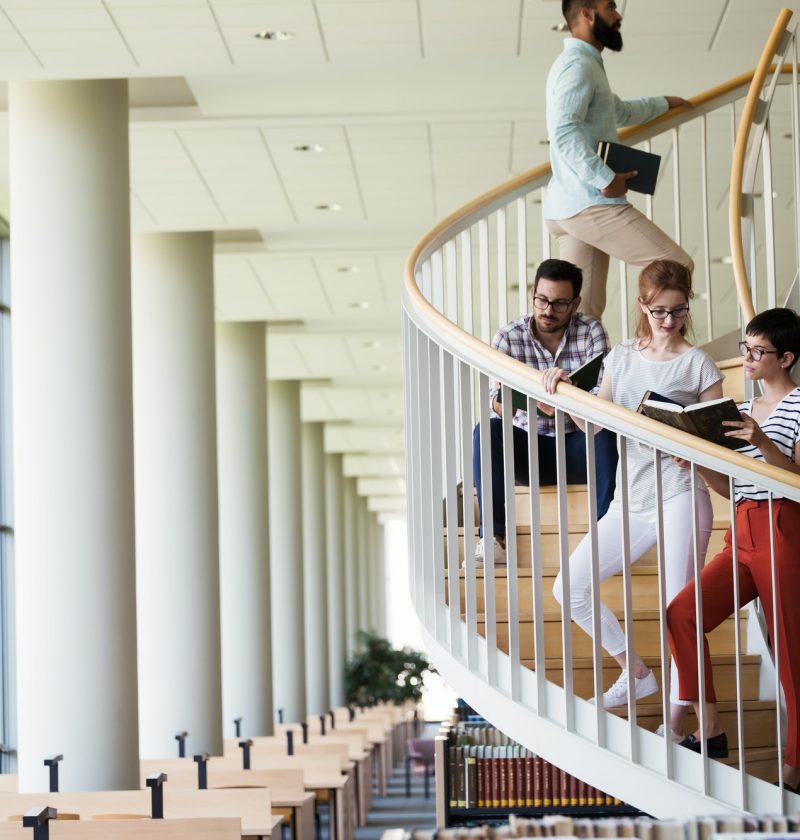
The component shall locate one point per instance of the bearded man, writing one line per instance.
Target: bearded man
(585, 206)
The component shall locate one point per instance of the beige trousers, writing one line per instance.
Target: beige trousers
(617, 230)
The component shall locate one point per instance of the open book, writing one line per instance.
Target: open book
(584, 377)
(702, 419)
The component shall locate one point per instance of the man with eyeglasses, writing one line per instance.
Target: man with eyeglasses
(585, 206)
(556, 335)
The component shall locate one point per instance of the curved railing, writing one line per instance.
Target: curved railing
(487, 630)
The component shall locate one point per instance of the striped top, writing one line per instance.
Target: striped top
(782, 427)
(682, 379)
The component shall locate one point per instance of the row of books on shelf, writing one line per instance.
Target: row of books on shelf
(510, 776)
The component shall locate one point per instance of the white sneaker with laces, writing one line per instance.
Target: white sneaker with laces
(617, 695)
(499, 553)
(673, 736)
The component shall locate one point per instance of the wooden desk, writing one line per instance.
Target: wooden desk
(251, 807)
(201, 829)
(285, 788)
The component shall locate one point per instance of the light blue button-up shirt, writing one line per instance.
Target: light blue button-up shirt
(582, 111)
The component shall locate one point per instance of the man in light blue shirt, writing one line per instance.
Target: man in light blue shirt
(585, 206)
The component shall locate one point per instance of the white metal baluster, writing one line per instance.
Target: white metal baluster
(451, 448)
(794, 91)
(502, 267)
(776, 649)
(648, 199)
(662, 617)
(438, 280)
(512, 578)
(470, 594)
(522, 254)
(706, 234)
(563, 560)
(594, 559)
(427, 282)
(451, 275)
(698, 562)
(489, 613)
(623, 300)
(435, 467)
(546, 250)
(426, 555)
(451, 311)
(701, 664)
(627, 605)
(411, 495)
(483, 280)
(466, 280)
(737, 641)
(676, 183)
(536, 559)
(769, 218)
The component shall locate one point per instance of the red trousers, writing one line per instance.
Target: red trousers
(755, 581)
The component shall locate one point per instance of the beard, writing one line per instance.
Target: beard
(609, 36)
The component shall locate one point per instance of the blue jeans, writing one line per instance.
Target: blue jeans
(605, 450)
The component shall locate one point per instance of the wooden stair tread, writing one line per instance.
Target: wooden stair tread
(718, 524)
(646, 709)
(653, 661)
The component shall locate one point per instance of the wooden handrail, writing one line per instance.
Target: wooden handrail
(504, 367)
(764, 67)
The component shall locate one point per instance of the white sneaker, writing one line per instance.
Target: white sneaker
(499, 553)
(673, 736)
(617, 695)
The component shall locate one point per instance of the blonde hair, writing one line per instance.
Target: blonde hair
(662, 276)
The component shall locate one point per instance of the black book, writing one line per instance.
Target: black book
(701, 419)
(584, 377)
(627, 159)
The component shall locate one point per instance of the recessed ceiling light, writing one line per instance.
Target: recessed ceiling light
(348, 269)
(372, 344)
(334, 208)
(544, 142)
(559, 27)
(310, 147)
(379, 367)
(360, 304)
(726, 260)
(386, 396)
(787, 135)
(274, 35)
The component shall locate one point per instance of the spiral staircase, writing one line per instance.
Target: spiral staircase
(496, 634)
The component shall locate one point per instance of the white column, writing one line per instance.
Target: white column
(177, 535)
(286, 549)
(351, 562)
(363, 565)
(243, 525)
(381, 593)
(337, 630)
(315, 573)
(73, 434)
(375, 573)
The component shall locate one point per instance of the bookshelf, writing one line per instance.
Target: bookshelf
(483, 776)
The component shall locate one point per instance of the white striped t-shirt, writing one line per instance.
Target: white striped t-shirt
(782, 427)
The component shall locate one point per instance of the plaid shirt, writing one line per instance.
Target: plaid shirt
(583, 339)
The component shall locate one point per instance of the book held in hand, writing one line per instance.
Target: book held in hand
(584, 377)
(701, 419)
(627, 159)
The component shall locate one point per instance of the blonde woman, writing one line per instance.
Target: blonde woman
(660, 359)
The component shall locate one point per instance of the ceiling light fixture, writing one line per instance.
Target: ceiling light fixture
(726, 260)
(360, 304)
(274, 35)
(310, 147)
(559, 27)
(348, 269)
(372, 344)
(380, 367)
(334, 208)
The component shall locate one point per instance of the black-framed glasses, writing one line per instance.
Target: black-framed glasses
(560, 306)
(756, 353)
(660, 313)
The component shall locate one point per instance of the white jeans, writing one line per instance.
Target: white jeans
(678, 561)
